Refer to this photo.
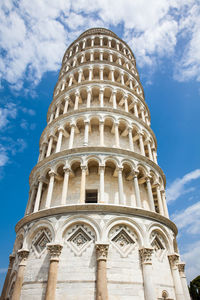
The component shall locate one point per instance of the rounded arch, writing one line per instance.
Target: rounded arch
(160, 229)
(93, 157)
(79, 219)
(127, 222)
(113, 160)
(35, 228)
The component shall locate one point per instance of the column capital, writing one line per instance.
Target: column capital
(125, 96)
(173, 259)
(87, 121)
(83, 168)
(72, 124)
(101, 168)
(67, 169)
(71, 75)
(119, 169)
(101, 90)
(80, 71)
(102, 251)
(11, 260)
(54, 251)
(77, 93)
(135, 173)
(23, 255)
(52, 173)
(146, 255)
(66, 97)
(89, 89)
(114, 92)
(60, 128)
(181, 267)
(130, 128)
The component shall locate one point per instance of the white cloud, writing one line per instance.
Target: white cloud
(9, 111)
(192, 259)
(177, 188)
(188, 219)
(34, 34)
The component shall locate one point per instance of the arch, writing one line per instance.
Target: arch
(112, 159)
(155, 227)
(127, 222)
(79, 219)
(35, 228)
(93, 157)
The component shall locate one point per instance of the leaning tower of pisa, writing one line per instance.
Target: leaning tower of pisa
(96, 224)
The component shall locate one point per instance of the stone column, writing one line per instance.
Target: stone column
(146, 262)
(50, 189)
(76, 100)
(131, 145)
(89, 92)
(101, 186)
(65, 185)
(150, 195)
(44, 147)
(59, 142)
(71, 77)
(83, 182)
(130, 83)
(174, 259)
(32, 197)
(82, 58)
(6, 282)
(74, 62)
(92, 56)
(116, 135)
(149, 150)
(126, 103)
(181, 268)
(57, 111)
(101, 286)
(112, 75)
(71, 138)
(23, 255)
(141, 144)
(109, 43)
(142, 113)
(120, 187)
(160, 205)
(166, 213)
(101, 97)
(50, 145)
(101, 41)
(54, 252)
(101, 56)
(90, 73)
(51, 117)
(101, 71)
(135, 109)
(117, 44)
(92, 42)
(154, 155)
(122, 78)
(114, 99)
(66, 105)
(137, 190)
(101, 129)
(84, 43)
(38, 196)
(120, 60)
(80, 73)
(85, 143)
(110, 57)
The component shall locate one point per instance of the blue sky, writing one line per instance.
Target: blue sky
(165, 38)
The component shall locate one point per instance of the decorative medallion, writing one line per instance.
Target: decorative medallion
(79, 238)
(123, 239)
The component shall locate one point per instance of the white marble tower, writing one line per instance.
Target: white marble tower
(96, 224)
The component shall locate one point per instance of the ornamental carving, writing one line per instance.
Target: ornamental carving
(146, 255)
(79, 238)
(158, 244)
(123, 239)
(54, 251)
(40, 241)
(181, 267)
(102, 251)
(173, 259)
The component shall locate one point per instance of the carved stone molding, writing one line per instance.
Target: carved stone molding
(54, 251)
(11, 260)
(181, 267)
(173, 259)
(102, 251)
(146, 255)
(23, 255)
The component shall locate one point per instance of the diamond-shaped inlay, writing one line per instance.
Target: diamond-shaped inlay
(41, 243)
(79, 239)
(158, 244)
(123, 242)
(41, 239)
